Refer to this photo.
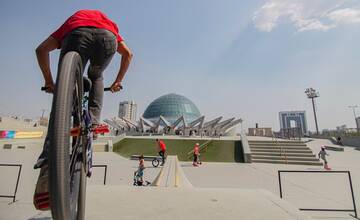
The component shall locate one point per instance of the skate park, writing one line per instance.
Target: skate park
(224, 189)
(257, 103)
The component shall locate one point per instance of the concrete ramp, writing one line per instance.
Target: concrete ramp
(163, 203)
(171, 175)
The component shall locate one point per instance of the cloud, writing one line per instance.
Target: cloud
(345, 16)
(305, 15)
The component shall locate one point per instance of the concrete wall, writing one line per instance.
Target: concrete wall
(351, 141)
(246, 148)
(348, 141)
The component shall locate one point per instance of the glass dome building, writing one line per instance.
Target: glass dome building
(171, 107)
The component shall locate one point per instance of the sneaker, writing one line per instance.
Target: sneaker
(41, 198)
(42, 160)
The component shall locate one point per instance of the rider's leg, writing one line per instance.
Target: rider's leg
(103, 51)
(78, 40)
(162, 154)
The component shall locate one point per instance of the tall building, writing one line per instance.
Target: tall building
(127, 109)
(293, 119)
(358, 124)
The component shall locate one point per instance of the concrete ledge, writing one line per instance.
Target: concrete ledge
(246, 148)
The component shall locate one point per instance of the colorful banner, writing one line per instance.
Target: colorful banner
(21, 134)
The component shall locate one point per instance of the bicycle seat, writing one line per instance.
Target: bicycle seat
(87, 84)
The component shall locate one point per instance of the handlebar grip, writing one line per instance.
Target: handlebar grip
(109, 88)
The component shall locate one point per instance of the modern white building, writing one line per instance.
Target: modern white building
(128, 110)
(172, 114)
(293, 119)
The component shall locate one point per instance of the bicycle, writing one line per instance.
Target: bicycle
(70, 154)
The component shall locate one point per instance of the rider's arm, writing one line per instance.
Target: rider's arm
(42, 54)
(126, 57)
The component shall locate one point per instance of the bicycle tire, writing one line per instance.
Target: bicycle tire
(155, 162)
(66, 190)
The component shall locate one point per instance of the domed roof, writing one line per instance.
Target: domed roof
(171, 107)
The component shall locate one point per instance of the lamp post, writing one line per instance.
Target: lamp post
(353, 108)
(241, 125)
(312, 94)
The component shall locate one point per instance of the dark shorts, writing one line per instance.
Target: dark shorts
(97, 46)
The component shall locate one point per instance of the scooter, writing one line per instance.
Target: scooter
(138, 181)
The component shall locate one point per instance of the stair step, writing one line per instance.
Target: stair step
(281, 142)
(277, 144)
(278, 147)
(265, 153)
(279, 151)
(286, 158)
(312, 163)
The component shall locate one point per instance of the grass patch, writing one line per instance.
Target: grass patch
(216, 150)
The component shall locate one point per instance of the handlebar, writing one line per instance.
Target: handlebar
(109, 88)
(44, 88)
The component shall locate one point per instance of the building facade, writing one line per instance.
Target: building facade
(171, 107)
(263, 132)
(128, 110)
(171, 114)
(290, 120)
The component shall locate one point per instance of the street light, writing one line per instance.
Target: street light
(241, 125)
(312, 94)
(353, 108)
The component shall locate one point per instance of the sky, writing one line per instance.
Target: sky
(247, 59)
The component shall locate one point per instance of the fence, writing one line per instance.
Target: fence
(320, 171)
(17, 181)
(105, 171)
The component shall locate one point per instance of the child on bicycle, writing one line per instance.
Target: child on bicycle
(162, 152)
(96, 38)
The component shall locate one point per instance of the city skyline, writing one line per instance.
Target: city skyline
(244, 59)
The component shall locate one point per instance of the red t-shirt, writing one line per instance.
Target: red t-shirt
(196, 150)
(162, 145)
(89, 18)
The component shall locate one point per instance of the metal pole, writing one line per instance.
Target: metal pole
(316, 124)
(352, 194)
(105, 175)
(280, 184)
(17, 183)
(357, 126)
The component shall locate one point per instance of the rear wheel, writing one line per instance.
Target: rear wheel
(66, 172)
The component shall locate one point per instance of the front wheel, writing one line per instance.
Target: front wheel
(66, 171)
(155, 162)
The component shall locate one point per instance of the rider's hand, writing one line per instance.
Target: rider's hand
(116, 86)
(50, 87)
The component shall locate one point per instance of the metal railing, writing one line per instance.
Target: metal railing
(105, 171)
(17, 181)
(320, 171)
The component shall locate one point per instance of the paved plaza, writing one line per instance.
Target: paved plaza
(220, 190)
